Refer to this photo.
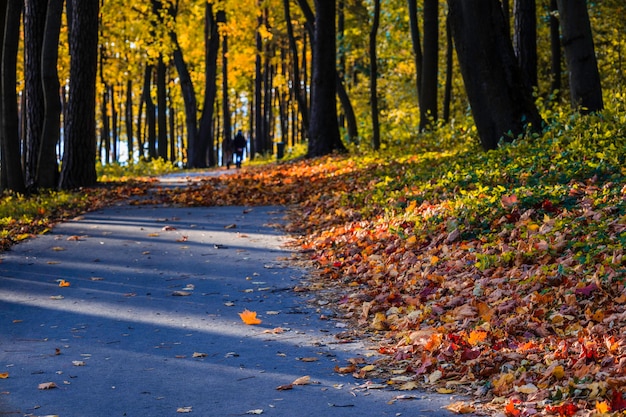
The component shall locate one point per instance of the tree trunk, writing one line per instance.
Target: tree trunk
(295, 70)
(430, 65)
(417, 45)
(584, 79)
(150, 112)
(161, 86)
(555, 48)
(525, 39)
(34, 25)
(501, 104)
(128, 119)
(311, 22)
(205, 140)
(79, 157)
(228, 134)
(11, 155)
(47, 166)
(114, 131)
(374, 77)
(324, 130)
(447, 94)
(256, 139)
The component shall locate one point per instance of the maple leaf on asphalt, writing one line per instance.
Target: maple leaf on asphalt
(249, 317)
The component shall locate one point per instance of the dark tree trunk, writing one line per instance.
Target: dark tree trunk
(205, 134)
(501, 104)
(324, 129)
(525, 39)
(11, 155)
(34, 25)
(105, 132)
(430, 65)
(310, 24)
(555, 48)
(47, 166)
(584, 79)
(150, 112)
(161, 87)
(128, 119)
(114, 131)
(295, 70)
(417, 45)
(374, 77)
(79, 157)
(256, 139)
(447, 94)
(228, 134)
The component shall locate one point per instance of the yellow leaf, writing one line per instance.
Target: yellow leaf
(434, 260)
(602, 407)
(408, 386)
(58, 249)
(558, 372)
(64, 283)
(249, 317)
(4, 375)
(445, 390)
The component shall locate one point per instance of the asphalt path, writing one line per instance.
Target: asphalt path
(134, 311)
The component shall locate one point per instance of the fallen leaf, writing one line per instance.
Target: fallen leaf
(510, 409)
(284, 387)
(303, 380)
(460, 407)
(181, 293)
(230, 226)
(64, 283)
(78, 363)
(249, 317)
(257, 411)
(184, 410)
(309, 359)
(602, 407)
(56, 297)
(4, 375)
(47, 385)
(199, 355)
(168, 228)
(58, 249)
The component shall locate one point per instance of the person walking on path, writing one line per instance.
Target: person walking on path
(239, 144)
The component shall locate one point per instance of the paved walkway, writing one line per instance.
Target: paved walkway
(149, 323)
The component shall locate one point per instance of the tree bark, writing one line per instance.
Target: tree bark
(447, 94)
(417, 45)
(430, 64)
(47, 166)
(128, 119)
(228, 134)
(348, 110)
(34, 25)
(374, 77)
(11, 155)
(79, 157)
(525, 39)
(501, 104)
(584, 78)
(295, 70)
(161, 86)
(555, 48)
(324, 130)
(205, 138)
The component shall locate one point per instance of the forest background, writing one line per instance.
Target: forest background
(482, 263)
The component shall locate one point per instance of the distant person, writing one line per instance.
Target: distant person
(239, 144)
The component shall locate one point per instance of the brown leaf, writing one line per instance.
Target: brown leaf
(284, 387)
(303, 380)
(47, 385)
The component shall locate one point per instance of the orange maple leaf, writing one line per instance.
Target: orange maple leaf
(249, 317)
(64, 283)
(510, 409)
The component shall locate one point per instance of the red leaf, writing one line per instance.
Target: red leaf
(617, 402)
(563, 410)
(469, 354)
(586, 291)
